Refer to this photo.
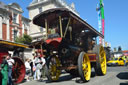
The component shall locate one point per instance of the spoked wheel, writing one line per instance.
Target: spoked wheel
(18, 70)
(52, 69)
(84, 67)
(101, 66)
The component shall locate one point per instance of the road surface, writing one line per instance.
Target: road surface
(115, 76)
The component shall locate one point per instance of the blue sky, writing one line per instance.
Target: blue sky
(116, 17)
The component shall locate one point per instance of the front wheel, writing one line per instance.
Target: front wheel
(84, 67)
(52, 69)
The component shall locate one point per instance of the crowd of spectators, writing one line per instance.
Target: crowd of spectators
(34, 68)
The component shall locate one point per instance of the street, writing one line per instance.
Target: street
(115, 76)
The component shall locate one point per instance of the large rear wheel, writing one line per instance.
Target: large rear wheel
(84, 67)
(18, 70)
(101, 66)
(52, 69)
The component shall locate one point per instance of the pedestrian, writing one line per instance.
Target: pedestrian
(34, 66)
(113, 58)
(43, 64)
(0, 76)
(38, 66)
(34, 72)
(4, 70)
(124, 58)
(28, 69)
(38, 62)
(10, 65)
(31, 64)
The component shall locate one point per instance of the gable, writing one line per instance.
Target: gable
(15, 6)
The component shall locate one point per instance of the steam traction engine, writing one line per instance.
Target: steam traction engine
(70, 45)
(18, 70)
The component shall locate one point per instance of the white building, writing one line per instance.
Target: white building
(12, 23)
(38, 6)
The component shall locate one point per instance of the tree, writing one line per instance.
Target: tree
(25, 39)
(119, 48)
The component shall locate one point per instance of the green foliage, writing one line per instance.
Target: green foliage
(25, 39)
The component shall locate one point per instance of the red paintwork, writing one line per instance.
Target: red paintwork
(92, 57)
(2, 54)
(55, 41)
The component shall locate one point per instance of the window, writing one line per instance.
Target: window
(15, 18)
(40, 9)
(15, 34)
(25, 27)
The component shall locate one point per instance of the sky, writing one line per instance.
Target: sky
(116, 17)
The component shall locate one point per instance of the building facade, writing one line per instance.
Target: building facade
(38, 6)
(12, 23)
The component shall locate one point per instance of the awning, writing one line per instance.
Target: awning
(10, 46)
